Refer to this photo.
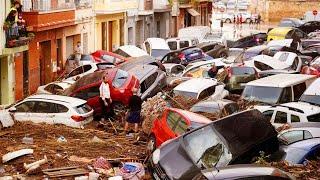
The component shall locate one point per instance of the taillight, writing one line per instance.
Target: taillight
(77, 118)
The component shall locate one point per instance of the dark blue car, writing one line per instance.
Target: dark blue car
(299, 152)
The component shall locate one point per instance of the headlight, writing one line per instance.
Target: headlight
(156, 156)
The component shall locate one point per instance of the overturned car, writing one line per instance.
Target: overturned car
(235, 139)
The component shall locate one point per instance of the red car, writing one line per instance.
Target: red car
(173, 123)
(311, 70)
(121, 84)
(106, 56)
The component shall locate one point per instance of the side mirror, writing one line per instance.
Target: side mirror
(12, 109)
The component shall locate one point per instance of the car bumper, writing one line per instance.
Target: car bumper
(156, 171)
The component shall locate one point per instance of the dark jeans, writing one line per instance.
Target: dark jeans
(104, 108)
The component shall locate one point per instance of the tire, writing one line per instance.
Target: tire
(228, 21)
(152, 143)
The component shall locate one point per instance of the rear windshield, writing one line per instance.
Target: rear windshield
(159, 53)
(314, 118)
(120, 78)
(242, 71)
(270, 95)
(312, 99)
(83, 109)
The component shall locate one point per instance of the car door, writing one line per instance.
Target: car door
(23, 110)
(43, 113)
(60, 114)
(168, 126)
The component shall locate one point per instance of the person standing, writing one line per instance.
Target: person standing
(105, 98)
(133, 116)
(258, 21)
(241, 21)
(77, 54)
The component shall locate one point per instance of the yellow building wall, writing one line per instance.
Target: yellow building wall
(115, 19)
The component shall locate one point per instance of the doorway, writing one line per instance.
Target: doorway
(110, 36)
(25, 73)
(45, 62)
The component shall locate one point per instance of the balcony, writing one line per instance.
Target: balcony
(43, 15)
(83, 4)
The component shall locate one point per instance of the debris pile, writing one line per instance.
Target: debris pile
(151, 110)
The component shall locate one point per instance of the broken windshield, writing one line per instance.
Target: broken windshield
(206, 148)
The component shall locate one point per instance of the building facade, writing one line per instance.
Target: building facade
(162, 18)
(57, 26)
(13, 62)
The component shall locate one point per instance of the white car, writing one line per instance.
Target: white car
(5, 119)
(156, 47)
(292, 112)
(56, 87)
(53, 109)
(277, 89)
(87, 69)
(130, 51)
(299, 132)
(173, 69)
(312, 94)
(197, 88)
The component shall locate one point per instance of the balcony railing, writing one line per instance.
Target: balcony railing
(47, 5)
(16, 36)
(184, 1)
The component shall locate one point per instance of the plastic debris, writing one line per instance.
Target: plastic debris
(62, 139)
(27, 140)
(12, 155)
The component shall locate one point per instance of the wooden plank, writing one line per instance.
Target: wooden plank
(62, 168)
(64, 171)
(70, 174)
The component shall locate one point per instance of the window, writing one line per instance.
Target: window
(314, 118)
(148, 49)
(45, 107)
(261, 66)
(27, 106)
(207, 92)
(177, 69)
(147, 83)
(61, 108)
(208, 48)
(295, 118)
(281, 117)
(295, 64)
(286, 95)
(53, 88)
(172, 119)
(283, 57)
(268, 114)
(184, 44)
(83, 109)
(181, 128)
(173, 45)
(79, 70)
(298, 90)
(120, 78)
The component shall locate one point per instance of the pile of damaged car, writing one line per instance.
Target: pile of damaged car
(177, 108)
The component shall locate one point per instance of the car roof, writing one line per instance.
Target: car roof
(280, 30)
(270, 61)
(308, 109)
(195, 85)
(158, 43)
(181, 39)
(133, 51)
(241, 170)
(57, 98)
(313, 89)
(192, 65)
(141, 71)
(281, 80)
(193, 117)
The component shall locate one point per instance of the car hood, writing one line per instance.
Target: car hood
(175, 161)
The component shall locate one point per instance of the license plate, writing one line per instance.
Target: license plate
(156, 176)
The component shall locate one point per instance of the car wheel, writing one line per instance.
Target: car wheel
(228, 21)
(152, 143)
